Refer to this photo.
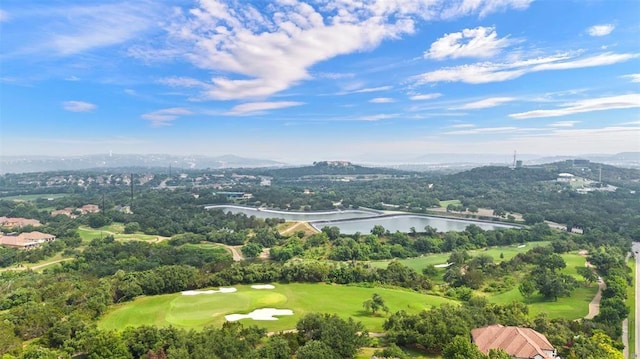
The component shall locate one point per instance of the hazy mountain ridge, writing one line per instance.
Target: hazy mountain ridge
(441, 162)
(15, 164)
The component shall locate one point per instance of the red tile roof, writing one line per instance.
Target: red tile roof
(516, 341)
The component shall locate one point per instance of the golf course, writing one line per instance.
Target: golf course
(198, 311)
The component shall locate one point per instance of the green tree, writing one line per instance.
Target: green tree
(375, 303)
(526, 288)
(588, 274)
(315, 349)
(461, 348)
(251, 250)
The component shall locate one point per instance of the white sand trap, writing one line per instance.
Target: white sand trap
(445, 265)
(259, 314)
(522, 246)
(198, 292)
(263, 286)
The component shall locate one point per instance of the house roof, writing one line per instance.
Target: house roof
(516, 341)
(26, 239)
(18, 222)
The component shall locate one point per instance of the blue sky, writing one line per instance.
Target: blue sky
(329, 79)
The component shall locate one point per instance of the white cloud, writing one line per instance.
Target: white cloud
(76, 29)
(463, 125)
(257, 53)
(373, 89)
(486, 130)
(632, 77)
(382, 100)
(259, 107)
(600, 30)
(165, 116)
(596, 104)
(378, 117)
(427, 96)
(4, 16)
(481, 42)
(485, 72)
(78, 106)
(482, 7)
(564, 124)
(486, 103)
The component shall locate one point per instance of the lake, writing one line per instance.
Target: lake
(363, 221)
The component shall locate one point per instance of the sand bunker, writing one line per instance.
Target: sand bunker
(445, 265)
(197, 292)
(259, 314)
(263, 286)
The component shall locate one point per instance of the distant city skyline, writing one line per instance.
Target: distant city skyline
(298, 81)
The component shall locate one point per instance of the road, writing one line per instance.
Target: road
(636, 250)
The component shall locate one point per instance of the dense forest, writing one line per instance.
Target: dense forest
(54, 313)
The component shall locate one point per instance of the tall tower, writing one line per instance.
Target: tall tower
(514, 158)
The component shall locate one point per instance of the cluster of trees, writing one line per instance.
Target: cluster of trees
(318, 336)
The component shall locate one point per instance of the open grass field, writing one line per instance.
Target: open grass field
(455, 202)
(209, 309)
(117, 230)
(574, 307)
(418, 263)
(39, 266)
(33, 197)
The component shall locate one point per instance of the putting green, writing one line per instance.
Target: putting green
(197, 311)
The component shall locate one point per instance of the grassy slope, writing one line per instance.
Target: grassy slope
(419, 263)
(115, 229)
(631, 302)
(201, 310)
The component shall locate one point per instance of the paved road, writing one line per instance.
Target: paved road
(636, 250)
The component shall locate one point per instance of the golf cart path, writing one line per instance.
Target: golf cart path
(594, 305)
(235, 252)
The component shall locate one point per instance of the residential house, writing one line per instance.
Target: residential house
(518, 342)
(18, 222)
(26, 240)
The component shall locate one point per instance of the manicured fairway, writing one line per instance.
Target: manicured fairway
(508, 252)
(209, 309)
(117, 230)
(574, 307)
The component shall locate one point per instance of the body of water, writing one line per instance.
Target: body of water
(363, 221)
(297, 216)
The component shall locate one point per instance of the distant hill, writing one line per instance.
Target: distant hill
(329, 168)
(16, 164)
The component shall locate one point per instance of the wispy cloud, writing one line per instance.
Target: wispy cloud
(426, 96)
(165, 116)
(260, 107)
(365, 90)
(382, 100)
(481, 42)
(80, 28)
(78, 106)
(564, 124)
(463, 125)
(589, 105)
(485, 72)
(632, 77)
(486, 103)
(256, 54)
(4, 16)
(600, 30)
(378, 117)
(484, 130)
(482, 7)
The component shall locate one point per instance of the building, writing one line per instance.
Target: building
(566, 177)
(89, 208)
(18, 222)
(26, 240)
(518, 342)
(64, 212)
